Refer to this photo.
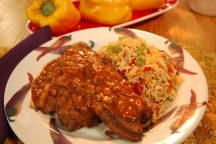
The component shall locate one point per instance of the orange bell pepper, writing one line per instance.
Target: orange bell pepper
(110, 12)
(60, 15)
(144, 5)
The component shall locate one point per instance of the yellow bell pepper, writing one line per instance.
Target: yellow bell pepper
(110, 12)
(144, 5)
(60, 15)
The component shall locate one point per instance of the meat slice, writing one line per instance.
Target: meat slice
(72, 117)
(69, 71)
(131, 130)
(113, 98)
(44, 89)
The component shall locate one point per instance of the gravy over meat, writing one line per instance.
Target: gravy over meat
(89, 79)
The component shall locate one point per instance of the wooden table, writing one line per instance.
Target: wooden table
(180, 25)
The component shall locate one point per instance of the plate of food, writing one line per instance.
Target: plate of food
(106, 85)
(139, 12)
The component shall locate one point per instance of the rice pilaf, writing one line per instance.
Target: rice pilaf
(148, 69)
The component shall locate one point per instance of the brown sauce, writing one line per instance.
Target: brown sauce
(110, 87)
(92, 79)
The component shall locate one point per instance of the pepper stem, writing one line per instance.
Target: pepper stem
(47, 8)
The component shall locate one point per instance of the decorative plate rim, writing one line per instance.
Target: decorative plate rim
(12, 87)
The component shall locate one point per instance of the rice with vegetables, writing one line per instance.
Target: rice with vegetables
(148, 69)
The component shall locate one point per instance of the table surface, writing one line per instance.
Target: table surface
(180, 25)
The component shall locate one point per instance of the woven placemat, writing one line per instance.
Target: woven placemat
(205, 133)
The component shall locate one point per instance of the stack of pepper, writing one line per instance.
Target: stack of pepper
(114, 12)
(62, 15)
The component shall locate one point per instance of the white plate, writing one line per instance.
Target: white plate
(136, 17)
(33, 127)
